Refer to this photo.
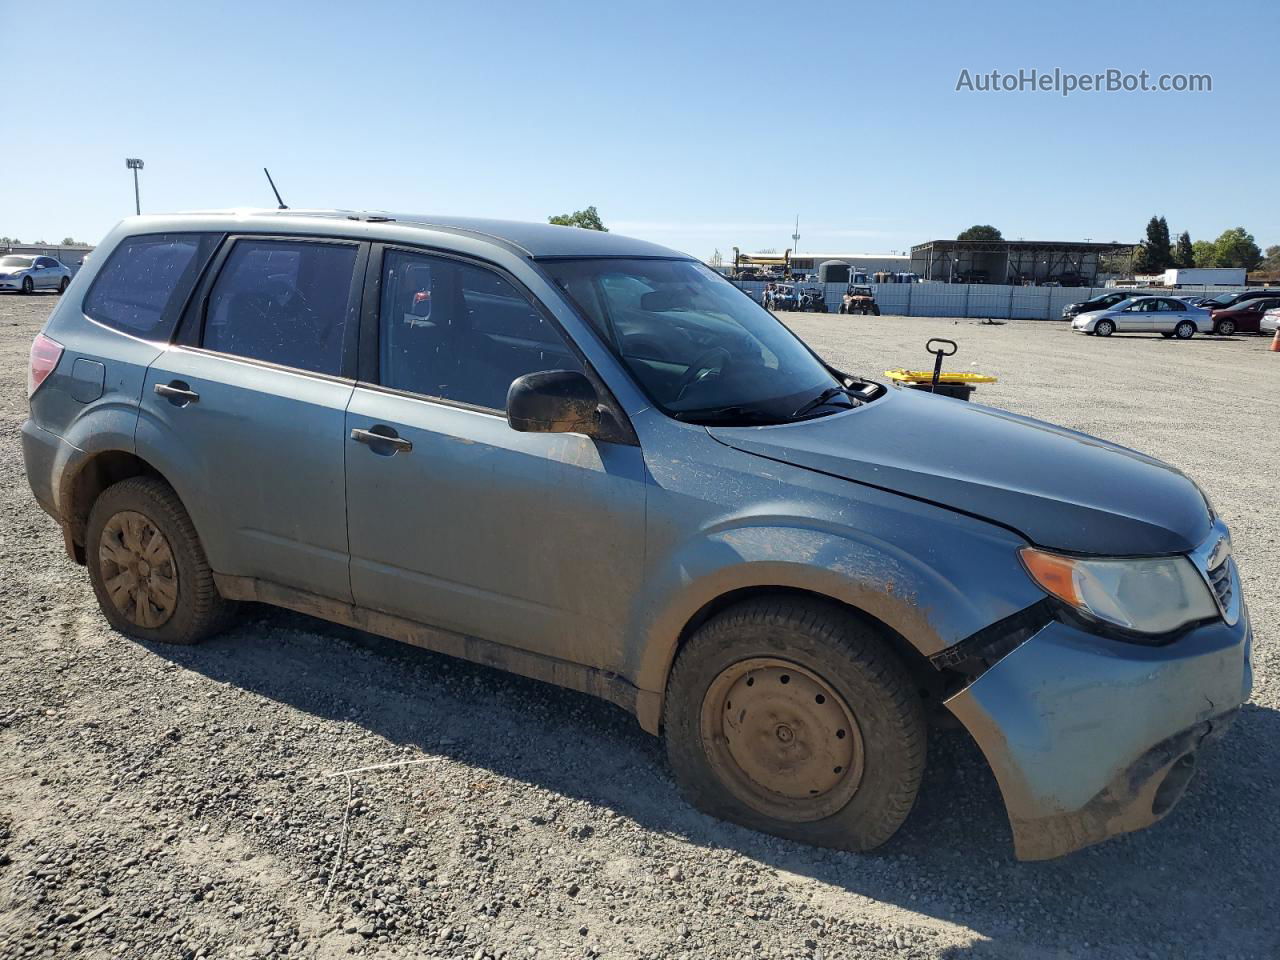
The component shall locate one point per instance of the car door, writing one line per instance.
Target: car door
(1129, 319)
(534, 540)
(245, 413)
(1169, 313)
(40, 273)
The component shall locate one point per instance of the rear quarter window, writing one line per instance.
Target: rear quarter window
(143, 285)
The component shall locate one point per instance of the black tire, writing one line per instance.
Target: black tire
(852, 660)
(876, 311)
(1104, 328)
(28, 288)
(841, 308)
(199, 610)
(62, 287)
(1225, 328)
(1185, 330)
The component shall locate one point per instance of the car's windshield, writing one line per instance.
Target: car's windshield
(15, 261)
(701, 349)
(1222, 299)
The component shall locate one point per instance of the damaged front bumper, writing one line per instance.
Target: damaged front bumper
(1090, 737)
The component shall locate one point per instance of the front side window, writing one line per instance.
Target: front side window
(699, 348)
(460, 332)
(142, 287)
(283, 301)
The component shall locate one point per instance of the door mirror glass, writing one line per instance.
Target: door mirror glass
(554, 401)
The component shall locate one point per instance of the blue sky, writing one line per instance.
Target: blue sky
(701, 126)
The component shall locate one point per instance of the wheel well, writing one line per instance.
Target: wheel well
(105, 469)
(928, 680)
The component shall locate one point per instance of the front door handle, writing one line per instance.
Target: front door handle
(382, 440)
(177, 392)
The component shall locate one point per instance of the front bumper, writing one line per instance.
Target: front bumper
(1090, 737)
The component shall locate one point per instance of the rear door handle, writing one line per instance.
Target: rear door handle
(177, 392)
(382, 440)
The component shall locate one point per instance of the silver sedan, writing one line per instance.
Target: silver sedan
(29, 273)
(1166, 316)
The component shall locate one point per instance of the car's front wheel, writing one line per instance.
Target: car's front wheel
(1185, 330)
(147, 566)
(1104, 328)
(28, 287)
(1225, 328)
(793, 717)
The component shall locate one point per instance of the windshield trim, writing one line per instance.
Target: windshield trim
(837, 377)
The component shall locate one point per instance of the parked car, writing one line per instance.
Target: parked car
(1103, 301)
(858, 298)
(1268, 322)
(811, 298)
(1224, 300)
(781, 296)
(594, 461)
(1244, 316)
(27, 274)
(1167, 316)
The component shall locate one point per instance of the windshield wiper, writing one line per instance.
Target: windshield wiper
(825, 397)
(723, 415)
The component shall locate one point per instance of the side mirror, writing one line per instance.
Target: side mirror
(555, 401)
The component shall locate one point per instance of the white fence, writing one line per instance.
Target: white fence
(995, 301)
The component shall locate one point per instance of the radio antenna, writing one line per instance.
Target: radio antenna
(274, 190)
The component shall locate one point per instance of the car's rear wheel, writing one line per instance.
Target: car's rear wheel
(1185, 330)
(28, 287)
(1104, 328)
(62, 287)
(147, 566)
(793, 717)
(1225, 328)
(876, 311)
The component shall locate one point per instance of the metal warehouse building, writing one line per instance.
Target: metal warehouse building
(1013, 261)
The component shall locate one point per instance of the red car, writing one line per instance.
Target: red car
(1244, 317)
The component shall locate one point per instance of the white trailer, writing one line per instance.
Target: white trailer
(1201, 276)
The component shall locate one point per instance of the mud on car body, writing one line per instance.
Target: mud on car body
(593, 461)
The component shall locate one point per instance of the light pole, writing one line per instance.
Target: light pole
(134, 164)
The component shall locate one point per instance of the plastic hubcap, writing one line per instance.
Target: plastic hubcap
(138, 569)
(782, 740)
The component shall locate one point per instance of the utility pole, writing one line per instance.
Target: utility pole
(134, 164)
(795, 238)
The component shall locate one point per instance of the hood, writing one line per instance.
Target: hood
(1060, 489)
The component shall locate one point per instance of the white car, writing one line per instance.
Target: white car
(1270, 321)
(1166, 316)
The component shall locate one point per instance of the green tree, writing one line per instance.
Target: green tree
(980, 231)
(1205, 254)
(69, 242)
(1184, 254)
(588, 219)
(1270, 259)
(1236, 248)
(1153, 254)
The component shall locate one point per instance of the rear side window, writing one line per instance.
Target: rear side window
(284, 302)
(143, 285)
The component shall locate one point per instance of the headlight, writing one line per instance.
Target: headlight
(1154, 595)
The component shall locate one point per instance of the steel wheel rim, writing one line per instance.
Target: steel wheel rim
(782, 740)
(138, 570)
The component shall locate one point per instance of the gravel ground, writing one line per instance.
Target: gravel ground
(172, 802)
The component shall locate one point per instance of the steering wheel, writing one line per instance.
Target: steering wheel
(702, 365)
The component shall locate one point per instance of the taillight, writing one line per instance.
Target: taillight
(45, 354)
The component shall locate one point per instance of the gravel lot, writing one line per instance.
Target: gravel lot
(173, 802)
